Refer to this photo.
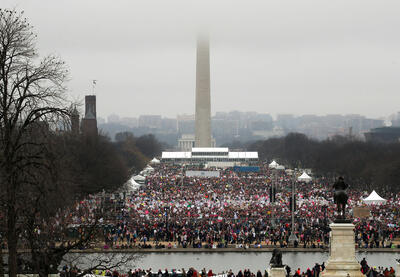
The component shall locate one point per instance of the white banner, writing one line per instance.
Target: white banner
(204, 174)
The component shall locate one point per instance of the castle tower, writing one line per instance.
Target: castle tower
(89, 122)
(90, 106)
(203, 102)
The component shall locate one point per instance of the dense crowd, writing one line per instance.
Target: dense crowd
(235, 210)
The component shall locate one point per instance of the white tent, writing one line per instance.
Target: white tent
(280, 167)
(144, 173)
(155, 161)
(148, 168)
(374, 198)
(132, 185)
(304, 178)
(273, 164)
(289, 171)
(139, 178)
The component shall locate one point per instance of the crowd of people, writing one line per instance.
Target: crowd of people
(315, 271)
(191, 272)
(373, 271)
(235, 210)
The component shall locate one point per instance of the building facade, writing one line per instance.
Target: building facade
(89, 122)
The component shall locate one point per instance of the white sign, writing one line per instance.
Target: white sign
(204, 174)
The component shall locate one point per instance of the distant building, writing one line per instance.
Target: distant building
(131, 122)
(396, 120)
(224, 127)
(187, 142)
(169, 125)
(89, 122)
(150, 121)
(286, 121)
(185, 123)
(384, 135)
(361, 124)
(113, 118)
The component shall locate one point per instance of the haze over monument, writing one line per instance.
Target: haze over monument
(308, 57)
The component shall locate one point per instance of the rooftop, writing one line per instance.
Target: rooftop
(210, 149)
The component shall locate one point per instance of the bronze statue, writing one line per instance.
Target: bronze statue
(276, 259)
(340, 197)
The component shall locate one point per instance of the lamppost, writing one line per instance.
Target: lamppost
(325, 208)
(272, 166)
(272, 198)
(183, 174)
(293, 237)
(166, 210)
(274, 184)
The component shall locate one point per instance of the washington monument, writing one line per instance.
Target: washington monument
(203, 103)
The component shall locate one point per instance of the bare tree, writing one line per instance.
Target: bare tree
(32, 98)
(52, 200)
(87, 264)
(47, 233)
(40, 176)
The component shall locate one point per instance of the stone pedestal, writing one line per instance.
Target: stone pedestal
(276, 272)
(342, 257)
(397, 269)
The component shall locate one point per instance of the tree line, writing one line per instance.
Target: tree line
(366, 165)
(137, 151)
(44, 172)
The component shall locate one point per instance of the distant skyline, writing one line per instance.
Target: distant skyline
(274, 116)
(284, 56)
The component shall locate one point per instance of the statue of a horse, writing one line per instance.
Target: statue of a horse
(276, 259)
(340, 197)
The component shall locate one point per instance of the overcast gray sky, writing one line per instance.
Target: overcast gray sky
(284, 56)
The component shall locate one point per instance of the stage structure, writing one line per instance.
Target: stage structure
(218, 156)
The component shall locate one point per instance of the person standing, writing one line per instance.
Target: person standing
(288, 269)
(317, 270)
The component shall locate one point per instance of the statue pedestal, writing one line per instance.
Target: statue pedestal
(397, 269)
(342, 257)
(276, 272)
